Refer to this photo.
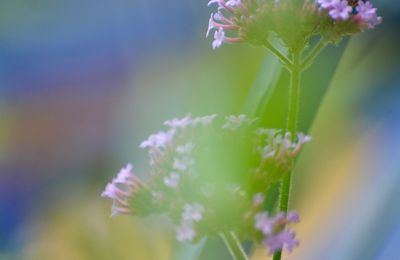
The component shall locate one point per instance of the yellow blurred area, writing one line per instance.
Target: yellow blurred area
(84, 230)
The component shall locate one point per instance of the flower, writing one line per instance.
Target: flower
(185, 148)
(340, 10)
(233, 3)
(219, 37)
(193, 212)
(366, 14)
(276, 235)
(220, 22)
(185, 232)
(254, 21)
(158, 140)
(258, 199)
(326, 3)
(264, 223)
(182, 182)
(205, 120)
(283, 240)
(121, 190)
(279, 146)
(179, 122)
(183, 164)
(172, 180)
(293, 217)
(233, 122)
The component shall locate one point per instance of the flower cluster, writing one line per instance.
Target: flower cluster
(362, 12)
(211, 175)
(275, 232)
(277, 146)
(122, 189)
(254, 20)
(192, 213)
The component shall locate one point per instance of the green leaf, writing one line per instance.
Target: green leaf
(263, 86)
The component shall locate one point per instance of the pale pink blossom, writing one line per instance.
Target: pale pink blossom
(185, 232)
(340, 10)
(193, 212)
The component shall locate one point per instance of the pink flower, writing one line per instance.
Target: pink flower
(233, 3)
(264, 223)
(326, 4)
(185, 232)
(204, 120)
(185, 149)
(219, 37)
(172, 180)
(158, 140)
(340, 10)
(258, 199)
(183, 164)
(121, 190)
(277, 236)
(193, 212)
(366, 13)
(233, 122)
(283, 240)
(179, 122)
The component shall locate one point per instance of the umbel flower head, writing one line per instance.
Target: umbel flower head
(293, 21)
(211, 175)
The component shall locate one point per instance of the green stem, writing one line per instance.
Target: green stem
(238, 244)
(313, 54)
(285, 61)
(294, 94)
(234, 246)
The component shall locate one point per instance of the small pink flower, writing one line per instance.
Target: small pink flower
(233, 3)
(366, 13)
(340, 10)
(326, 4)
(258, 199)
(264, 223)
(183, 164)
(193, 212)
(233, 122)
(205, 120)
(158, 140)
(277, 236)
(185, 232)
(283, 240)
(121, 190)
(185, 149)
(219, 37)
(172, 180)
(179, 122)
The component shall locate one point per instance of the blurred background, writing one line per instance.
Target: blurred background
(83, 82)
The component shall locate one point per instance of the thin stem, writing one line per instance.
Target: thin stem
(234, 246)
(291, 127)
(285, 61)
(277, 255)
(294, 92)
(313, 54)
(228, 245)
(238, 244)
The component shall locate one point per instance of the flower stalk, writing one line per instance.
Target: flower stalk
(308, 61)
(233, 245)
(291, 125)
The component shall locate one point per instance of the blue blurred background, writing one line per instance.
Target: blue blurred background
(83, 82)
